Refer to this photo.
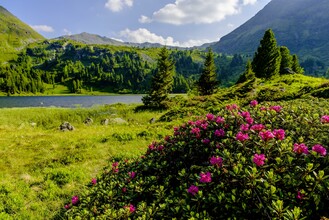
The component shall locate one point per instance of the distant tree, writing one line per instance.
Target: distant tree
(207, 83)
(266, 62)
(248, 74)
(162, 81)
(286, 60)
(295, 65)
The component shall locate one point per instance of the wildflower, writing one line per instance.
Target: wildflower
(325, 119)
(300, 196)
(161, 147)
(253, 103)
(131, 208)
(257, 127)
(263, 108)
(279, 134)
(204, 126)
(259, 159)
(205, 177)
(206, 141)
(193, 190)
(198, 123)
(124, 189)
(319, 149)
(67, 206)
(75, 200)
(195, 130)
(219, 133)
(276, 108)
(210, 117)
(115, 167)
(151, 146)
(266, 135)
(244, 127)
(232, 107)
(220, 120)
(132, 174)
(216, 161)
(242, 137)
(249, 120)
(245, 114)
(191, 123)
(300, 149)
(93, 181)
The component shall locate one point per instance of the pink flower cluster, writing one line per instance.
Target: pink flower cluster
(319, 149)
(132, 174)
(279, 133)
(259, 159)
(241, 137)
(244, 127)
(216, 161)
(232, 107)
(325, 119)
(193, 190)
(131, 208)
(93, 181)
(276, 108)
(257, 127)
(75, 200)
(219, 133)
(205, 177)
(253, 103)
(115, 166)
(268, 135)
(300, 149)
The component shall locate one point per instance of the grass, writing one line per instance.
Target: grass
(42, 166)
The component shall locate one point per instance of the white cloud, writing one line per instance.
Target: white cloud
(118, 5)
(196, 11)
(143, 35)
(143, 19)
(42, 28)
(249, 2)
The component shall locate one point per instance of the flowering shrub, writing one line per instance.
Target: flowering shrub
(262, 162)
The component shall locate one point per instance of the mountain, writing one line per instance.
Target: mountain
(301, 25)
(14, 35)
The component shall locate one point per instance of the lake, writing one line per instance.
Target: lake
(66, 101)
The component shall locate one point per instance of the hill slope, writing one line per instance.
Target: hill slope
(14, 34)
(300, 25)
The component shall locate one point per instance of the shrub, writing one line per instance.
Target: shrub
(261, 162)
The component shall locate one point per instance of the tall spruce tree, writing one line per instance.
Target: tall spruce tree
(162, 81)
(266, 62)
(248, 74)
(207, 83)
(295, 65)
(286, 60)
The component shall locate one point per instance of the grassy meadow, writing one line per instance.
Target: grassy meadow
(41, 166)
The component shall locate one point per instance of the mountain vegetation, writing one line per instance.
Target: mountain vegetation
(208, 83)
(300, 25)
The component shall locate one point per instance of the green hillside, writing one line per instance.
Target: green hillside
(14, 35)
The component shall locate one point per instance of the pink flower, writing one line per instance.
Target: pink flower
(131, 208)
(299, 196)
(245, 114)
(195, 130)
(253, 103)
(244, 127)
(204, 126)
(205, 177)
(93, 181)
(151, 146)
(124, 189)
(266, 135)
(300, 149)
(75, 200)
(193, 190)
(276, 108)
(220, 133)
(319, 149)
(232, 107)
(115, 167)
(210, 117)
(161, 147)
(67, 206)
(132, 174)
(325, 119)
(220, 120)
(259, 159)
(249, 120)
(279, 134)
(257, 127)
(198, 123)
(191, 123)
(242, 137)
(206, 141)
(263, 108)
(216, 161)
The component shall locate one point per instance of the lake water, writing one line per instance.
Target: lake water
(66, 101)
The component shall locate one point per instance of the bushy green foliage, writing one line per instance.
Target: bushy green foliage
(207, 83)
(286, 60)
(259, 162)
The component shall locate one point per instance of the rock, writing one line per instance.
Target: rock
(105, 121)
(66, 126)
(288, 70)
(118, 121)
(88, 121)
(152, 120)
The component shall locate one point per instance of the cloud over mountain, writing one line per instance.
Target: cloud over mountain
(118, 5)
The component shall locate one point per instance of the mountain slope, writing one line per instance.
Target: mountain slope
(301, 25)
(87, 38)
(14, 34)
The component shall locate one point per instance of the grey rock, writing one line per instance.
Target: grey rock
(66, 126)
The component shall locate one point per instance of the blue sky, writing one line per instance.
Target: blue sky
(169, 22)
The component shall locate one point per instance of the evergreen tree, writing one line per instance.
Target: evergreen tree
(286, 60)
(266, 62)
(248, 74)
(162, 81)
(207, 83)
(295, 65)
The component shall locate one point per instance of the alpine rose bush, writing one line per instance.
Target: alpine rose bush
(266, 162)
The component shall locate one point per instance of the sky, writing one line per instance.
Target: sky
(184, 23)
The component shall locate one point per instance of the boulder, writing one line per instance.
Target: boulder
(118, 121)
(152, 120)
(105, 121)
(88, 121)
(66, 126)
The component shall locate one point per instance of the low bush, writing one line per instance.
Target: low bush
(260, 162)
